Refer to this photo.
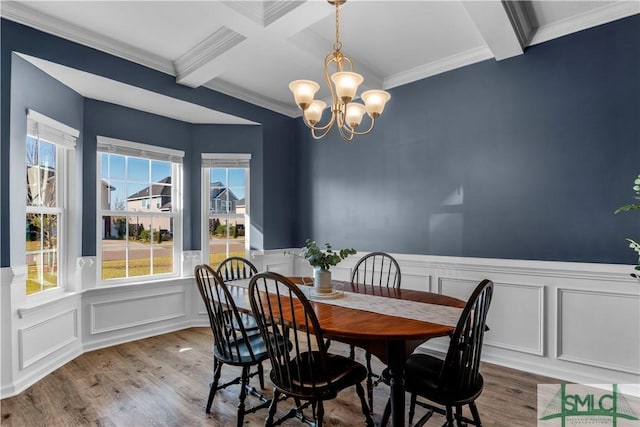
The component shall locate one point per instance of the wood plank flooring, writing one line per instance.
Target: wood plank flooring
(164, 381)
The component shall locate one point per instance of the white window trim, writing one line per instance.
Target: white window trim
(223, 160)
(135, 149)
(69, 206)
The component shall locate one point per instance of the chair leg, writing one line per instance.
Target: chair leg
(352, 352)
(261, 375)
(272, 408)
(386, 414)
(217, 367)
(243, 395)
(412, 407)
(459, 419)
(319, 413)
(365, 406)
(449, 422)
(475, 414)
(367, 356)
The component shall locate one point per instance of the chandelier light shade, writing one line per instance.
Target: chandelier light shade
(343, 83)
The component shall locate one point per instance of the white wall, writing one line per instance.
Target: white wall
(572, 321)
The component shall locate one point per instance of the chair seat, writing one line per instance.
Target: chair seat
(422, 376)
(238, 353)
(342, 372)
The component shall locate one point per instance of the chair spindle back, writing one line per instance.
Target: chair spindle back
(279, 306)
(224, 318)
(462, 363)
(377, 269)
(236, 268)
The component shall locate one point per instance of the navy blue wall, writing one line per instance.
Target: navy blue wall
(277, 132)
(526, 158)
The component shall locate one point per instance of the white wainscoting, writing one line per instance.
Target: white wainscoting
(574, 322)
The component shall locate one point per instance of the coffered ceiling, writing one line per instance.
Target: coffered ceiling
(252, 49)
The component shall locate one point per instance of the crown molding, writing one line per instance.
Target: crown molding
(252, 97)
(592, 18)
(22, 14)
(453, 62)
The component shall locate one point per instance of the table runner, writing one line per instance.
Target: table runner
(425, 312)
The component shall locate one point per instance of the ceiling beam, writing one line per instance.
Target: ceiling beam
(210, 58)
(500, 27)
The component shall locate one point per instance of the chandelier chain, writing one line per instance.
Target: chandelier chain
(338, 44)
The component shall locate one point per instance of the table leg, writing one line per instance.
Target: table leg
(396, 359)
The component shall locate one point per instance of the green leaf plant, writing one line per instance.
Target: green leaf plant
(632, 243)
(324, 259)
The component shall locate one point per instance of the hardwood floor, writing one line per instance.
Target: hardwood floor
(164, 381)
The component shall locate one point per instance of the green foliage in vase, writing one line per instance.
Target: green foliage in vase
(633, 244)
(324, 259)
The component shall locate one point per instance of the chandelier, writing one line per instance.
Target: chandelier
(345, 114)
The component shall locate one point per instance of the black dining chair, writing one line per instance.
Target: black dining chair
(309, 373)
(236, 268)
(239, 268)
(233, 345)
(455, 381)
(380, 270)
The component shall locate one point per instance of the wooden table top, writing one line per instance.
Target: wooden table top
(353, 324)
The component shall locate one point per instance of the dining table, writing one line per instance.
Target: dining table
(388, 322)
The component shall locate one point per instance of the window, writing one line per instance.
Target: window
(139, 214)
(225, 184)
(47, 144)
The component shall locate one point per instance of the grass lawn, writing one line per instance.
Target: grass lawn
(116, 269)
(137, 267)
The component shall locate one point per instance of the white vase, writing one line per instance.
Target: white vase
(322, 281)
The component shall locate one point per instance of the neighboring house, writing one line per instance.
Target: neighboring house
(159, 200)
(241, 206)
(222, 199)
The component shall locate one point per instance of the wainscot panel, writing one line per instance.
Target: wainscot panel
(37, 342)
(599, 329)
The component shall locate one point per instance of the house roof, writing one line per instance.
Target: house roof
(158, 189)
(218, 189)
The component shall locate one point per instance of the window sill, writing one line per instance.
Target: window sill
(126, 283)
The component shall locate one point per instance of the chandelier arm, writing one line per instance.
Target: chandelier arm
(327, 77)
(322, 135)
(316, 127)
(347, 60)
(345, 133)
(353, 131)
